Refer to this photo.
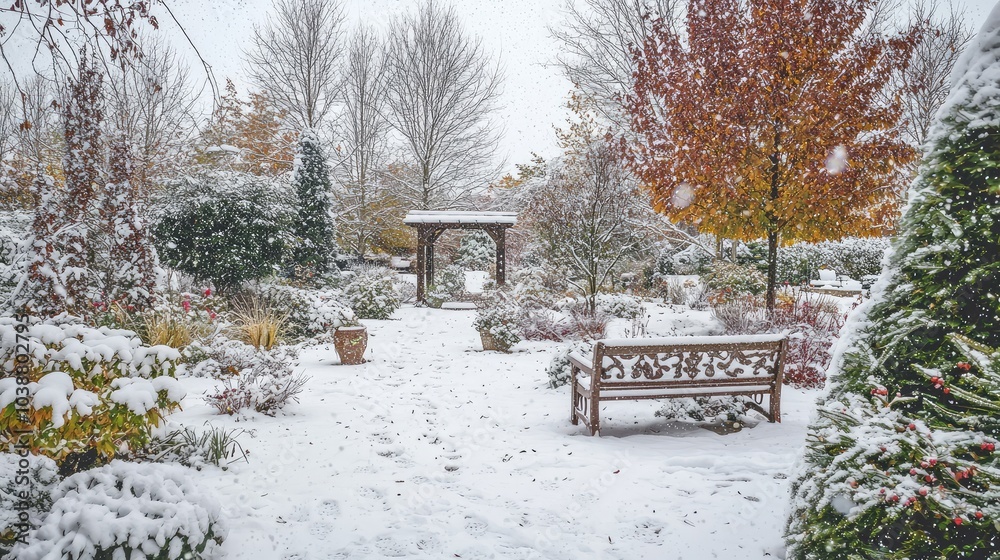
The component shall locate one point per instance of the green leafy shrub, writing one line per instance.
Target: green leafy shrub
(451, 280)
(227, 228)
(91, 390)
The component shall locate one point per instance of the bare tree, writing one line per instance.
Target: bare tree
(296, 57)
(927, 79)
(598, 36)
(443, 90)
(361, 180)
(150, 107)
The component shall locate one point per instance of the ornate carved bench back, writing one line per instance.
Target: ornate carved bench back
(723, 362)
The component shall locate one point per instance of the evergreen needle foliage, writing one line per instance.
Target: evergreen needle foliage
(901, 460)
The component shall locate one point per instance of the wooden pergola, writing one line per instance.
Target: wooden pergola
(430, 224)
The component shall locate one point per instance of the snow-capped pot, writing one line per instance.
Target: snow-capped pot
(351, 343)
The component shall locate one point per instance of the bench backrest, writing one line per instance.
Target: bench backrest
(690, 361)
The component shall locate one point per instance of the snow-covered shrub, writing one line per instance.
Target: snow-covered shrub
(692, 260)
(689, 292)
(559, 368)
(35, 474)
(225, 227)
(728, 279)
(498, 318)
(218, 358)
(14, 227)
(740, 314)
(407, 291)
(622, 306)
(128, 510)
(266, 386)
(476, 251)
(436, 297)
(544, 324)
(371, 293)
(857, 257)
(703, 409)
(537, 286)
(308, 313)
(89, 389)
(451, 280)
(588, 326)
(813, 322)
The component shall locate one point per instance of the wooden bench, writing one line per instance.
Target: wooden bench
(687, 366)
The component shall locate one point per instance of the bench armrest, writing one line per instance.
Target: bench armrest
(581, 363)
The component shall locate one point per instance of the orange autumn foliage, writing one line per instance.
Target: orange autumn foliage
(770, 118)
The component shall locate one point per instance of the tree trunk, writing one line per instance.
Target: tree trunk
(772, 268)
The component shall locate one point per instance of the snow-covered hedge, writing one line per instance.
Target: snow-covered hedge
(371, 293)
(88, 388)
(729, 278)
(127, 510)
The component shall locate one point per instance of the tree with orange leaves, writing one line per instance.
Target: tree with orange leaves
(256, 129)
(768, 118)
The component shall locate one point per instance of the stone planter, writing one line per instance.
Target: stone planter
(351, 343)
(491, 343)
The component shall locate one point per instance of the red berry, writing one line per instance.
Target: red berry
(912, 426)
(932, 462)
(913, 471)
(979, 515)
(964, 366)
(947, 390)
(958, 521)
(923, 490)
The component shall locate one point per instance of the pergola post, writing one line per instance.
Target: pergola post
(421, 263)
(501, 243)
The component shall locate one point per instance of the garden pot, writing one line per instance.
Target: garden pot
(491, 343)
(351, 343)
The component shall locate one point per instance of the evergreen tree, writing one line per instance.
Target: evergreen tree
(900, 461)
(314, 227)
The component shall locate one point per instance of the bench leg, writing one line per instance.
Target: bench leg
(572, 397)
(595, 420)
(775, 407)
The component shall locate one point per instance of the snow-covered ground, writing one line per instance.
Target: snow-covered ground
(435, 449)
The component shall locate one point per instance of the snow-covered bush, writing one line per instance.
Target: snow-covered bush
(703, 409)
(451, 280)
(622, 306)
(308, 313)
(498, 319)
(689, 292)
(559, 370)
(218, 358)
(476, 251)
(799, 263)
(35, 474)
(225, 227)
(371, 293)
(813, 323)
(89, 389)
(691, 260)
(407, 291)
(740, 314)
(436, 297)
(266, 386)
(728, 279)
(544, 324)
(128, 510)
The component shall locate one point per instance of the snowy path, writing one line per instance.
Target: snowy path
(434, 449)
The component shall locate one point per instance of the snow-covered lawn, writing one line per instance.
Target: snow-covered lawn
(435, 449)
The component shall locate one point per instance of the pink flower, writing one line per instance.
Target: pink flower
(186, 304)
(208, 292)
